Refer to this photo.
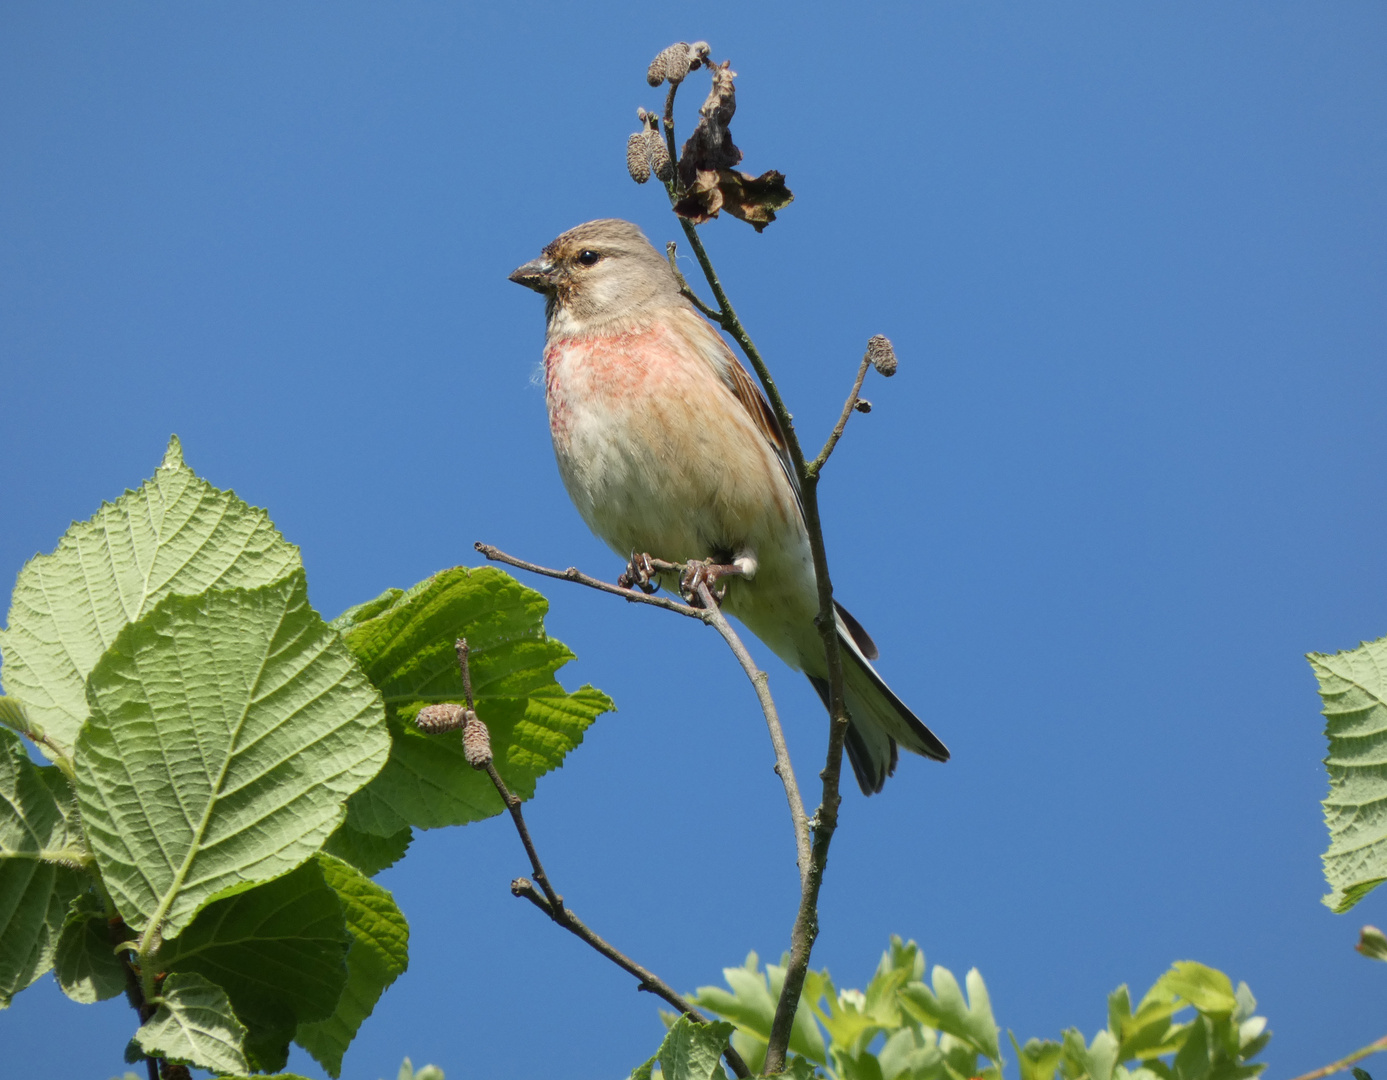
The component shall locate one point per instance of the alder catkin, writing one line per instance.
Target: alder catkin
(675, 62)
(476, 743)
(659, 160)
(435, 718)
(881, 354)
(638, 156)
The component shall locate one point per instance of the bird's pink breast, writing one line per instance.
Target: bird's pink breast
(611, 373)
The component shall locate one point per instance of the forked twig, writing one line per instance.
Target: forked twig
(711, 614)
(806, 926)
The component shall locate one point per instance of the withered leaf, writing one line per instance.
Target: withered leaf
(753, 199)
(710, 146)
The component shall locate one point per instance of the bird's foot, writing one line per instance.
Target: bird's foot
(638, 574)
(706, 572)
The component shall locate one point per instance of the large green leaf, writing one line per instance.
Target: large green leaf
(1353, 686)
(379, 955)
(278, 950)
(176, 534)
(40, 850)
(404, 641)
(86, 965)
(227, 731)
(194, 1025)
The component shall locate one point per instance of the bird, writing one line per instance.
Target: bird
(668, 448)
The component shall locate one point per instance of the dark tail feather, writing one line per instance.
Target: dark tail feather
(871, 770)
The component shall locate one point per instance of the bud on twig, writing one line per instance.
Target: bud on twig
(882, 355)
(863, 405)
(476, 742)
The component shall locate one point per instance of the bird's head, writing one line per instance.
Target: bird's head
(598, 273)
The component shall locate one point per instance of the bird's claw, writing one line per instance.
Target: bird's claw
(705, 572)
(638, 574)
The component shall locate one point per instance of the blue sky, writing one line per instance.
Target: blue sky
(1134, 262)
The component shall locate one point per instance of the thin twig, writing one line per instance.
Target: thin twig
(635, 596)
(1344, 1063)
(551, 903)
(783, 767)
(463, 654)
(711, 614)
(685, 288)
(818, 463)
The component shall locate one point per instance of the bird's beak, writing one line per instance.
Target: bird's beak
(538, 274)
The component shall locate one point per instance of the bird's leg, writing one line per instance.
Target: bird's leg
(638, 573)
(706, 572)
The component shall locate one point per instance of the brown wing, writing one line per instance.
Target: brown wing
(749, 394)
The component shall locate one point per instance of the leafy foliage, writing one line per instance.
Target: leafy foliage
(1353, 686)
(208, 730)
(901, 1028)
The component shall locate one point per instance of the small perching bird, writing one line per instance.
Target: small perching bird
(667, 447)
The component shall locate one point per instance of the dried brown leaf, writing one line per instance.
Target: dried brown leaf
(710, 146)
(753, 199)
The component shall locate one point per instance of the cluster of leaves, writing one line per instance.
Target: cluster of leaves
(1353, 687)
(901, 1028)
(230, 770)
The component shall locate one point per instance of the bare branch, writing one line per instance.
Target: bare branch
(825, 818)
(1344, 1063)
(635, 596)
(852, 403)
(551, 903)
(783, 767)
(684, 287)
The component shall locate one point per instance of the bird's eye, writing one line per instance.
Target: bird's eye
(589, 257)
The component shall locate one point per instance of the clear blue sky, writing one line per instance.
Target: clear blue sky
(1134, 261)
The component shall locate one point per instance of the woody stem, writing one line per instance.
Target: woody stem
(806, 927)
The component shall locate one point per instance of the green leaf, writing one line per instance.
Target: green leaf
(427, 1072)
(13, 716)
(912, 1053)
(247, 709)
(368, 852)
(1209, 991)
(40, 850)
(86, 965)
(692, 1051)
(1353, 686)
(1096, 1059)
(947, 1010)
(405, 644)
(194, 1025)
(279, 951)
(1372, 943)
(1038, 1059)
(176, 534)
(751, 1007)
(379, 954)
